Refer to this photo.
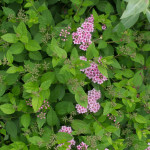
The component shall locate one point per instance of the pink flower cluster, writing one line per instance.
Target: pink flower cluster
(82, 146)
(104, 27)
(148, 148)
(29, 102)
(92, 72)
(93, 105)
(42, 110)
(83, 35)
(64, 33)
(69, 131)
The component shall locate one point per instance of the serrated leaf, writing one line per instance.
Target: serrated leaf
(32, 45)
(52, 118)
(146, 47)
(35, 140)
(103, 70)
(7, 108)
(46, 84)
(63, 137)
(139, 58)
(148, 14)
(2, 89)
(140, 119)
(11, 128)
(91, 52)
(35, 55)
(16, 48)
(10, 38)
(107, 108)
(25, 120)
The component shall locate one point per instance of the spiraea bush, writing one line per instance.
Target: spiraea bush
(75, 75)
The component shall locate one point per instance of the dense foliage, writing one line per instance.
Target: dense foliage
(74, 74)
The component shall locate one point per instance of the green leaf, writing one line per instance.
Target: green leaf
(91, 52)
(103, 70)
(10, 38)
(14, 69)
(21, 29)
(139, 58)
(111, 129)
(9, 57)
(140, 119)
(32, 45)
(102, 44)
(148, 14)
(35, 140)
(77, 2)
(52, 118)
(11, 128)
(31, 87)
(146, 47)
(64, 107)
(16, 48)
(7, 108)
(35, 55)
(61, 53)
(63, 137)
(115, 64)
(46, 84)
(2, 89)
(135, 7)
(37, 101)
(8, 11)
(107, 108)
(81, 97)
(40, 122)
(80, 126)
(25, 120)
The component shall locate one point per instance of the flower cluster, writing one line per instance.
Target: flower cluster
(83, 35)
(29, 102)
(93, 105)
(148, 148)
(69, 131)
(92, 72)
(82, 146)
(64, 33)
(104, 27)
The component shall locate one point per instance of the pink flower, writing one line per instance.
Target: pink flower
(64, 33)
(83, 35)
(82, 146)
(104, 27)
(93, 105)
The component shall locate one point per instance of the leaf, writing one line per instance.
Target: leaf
(37, 101)
(2, 89)
(31, 87)
(107, 108)
(91, 52)
(115, 64)
(35, 55)
(52, 118)
(46, 84)
(35, 140)
(61, 53)
(10, 38)
(138, 58)
(64, 107)
(25, 120)
(16, 48)
(140, 119)
(103, 70)
(135, 7)
(9, 57)
(146, 47)
(40, 122)
(77, 2)
(8, 11)
(102, 44)
(111, 129)
(63, 137)
(137, 79)
(14, 69)
(81, 97)
(148, 14)
(11, 128)
(7, 108)
(80, 126)
(32, 45)
(130, 21)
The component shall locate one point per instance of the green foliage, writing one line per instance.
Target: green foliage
(42, 78)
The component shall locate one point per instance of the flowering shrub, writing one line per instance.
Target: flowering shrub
(74, 75)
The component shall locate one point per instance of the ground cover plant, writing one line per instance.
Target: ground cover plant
(75, 75)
